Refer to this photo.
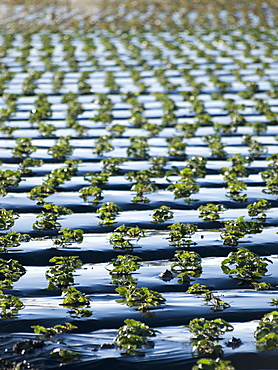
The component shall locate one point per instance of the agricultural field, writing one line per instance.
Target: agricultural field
(139, 184)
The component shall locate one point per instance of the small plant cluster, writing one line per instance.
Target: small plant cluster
(246, 266)
(12, 239)
(143, 183)
(187, 265)
(134, 336)
(41, 111)
(108, 213)
(47, 334)
(266, 332)
(180, 234)
(142, 298)
(270, 176)
(210, 212)
(237, 229)
(56, 177)
(10, 272)
(123, 267)
(231, 176)
(61, 276)
(124, 236)
(49, 217)
(186, 186)
(206, 334)
(9, 179)
(162, 214)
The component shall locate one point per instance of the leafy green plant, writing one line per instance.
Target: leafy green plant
(157, 167)
(143, 298)
(97, 179)
(10, 272)
(49, 217)
(123, 236)
(88, 191)
(140, 189)
(42, 109)
(48, 333)
(9, 305)
(9, 179)
(65, 355)
(215, 301)
(116, 130)
(110, 165)
(210, 364)
(197, 166)
(266, 333)
(76, 302)
(29, 162)
(62, 148)
(7, 218)
(23, 148)
(108, 212)
(68, 237)
(61, 275)
(180, 234)
(38, 193)
(206, 334)
(59, 176)
(185, 189)
(257, 209)
(12, 240)
(162, 214)
(215, 145)
(134, 335)
(197, 289)
(102, 145)
(210, 212)
(186, 264)
(138, 148)
(210, 329)
(246, 266)
(188, 129)
(176, 148)
(237, 229)
(124, 265)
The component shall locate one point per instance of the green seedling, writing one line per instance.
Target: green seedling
(210, 364)
(187, 265)
(48, 333)
(237, 229)
(143, 298)
(246, 266)
(162, 214)
(133, 336)
(24, 148)
(257, 209)
(124, 265)
(10, 272)
(60, 275)
(108, 212)
(7, 218)
(210, 212)
(12, 240)
(123, 236)
(266, 333)
(180, 234)
(68, 237)
(9, 305)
